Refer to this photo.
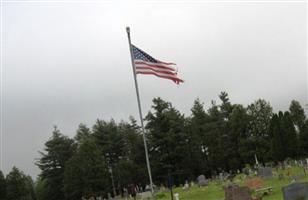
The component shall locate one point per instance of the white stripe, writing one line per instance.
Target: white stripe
(151, 63)
(155, 68)
(160, 74)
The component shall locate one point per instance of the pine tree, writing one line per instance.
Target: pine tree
(260, 114)
(16, 186)
(58, 150)
(2, 186)
(297, 114)
(198, 140)
(214, 128)
(303, 141)
(238, 131)
(86, 173)
(83, 133)
(109, 140)
(40, 188)
(290, 140)
(132, 167)
(167, 139)
(277, 150)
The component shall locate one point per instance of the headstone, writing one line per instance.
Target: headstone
(265, 172)
(146, 195)
(234, 192)
(177, 196)
(295, 191)
(186, 186)
(202, 181)
(147, 188)
(162, 188)
(221, 177)
(192, 184)
(246, 171)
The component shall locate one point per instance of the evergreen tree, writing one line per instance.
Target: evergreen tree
(260, 114)
(83, 133)
(30, 187)
(297, 114)
(167, 140)
(238, 131)
(215, 136)
(40, 188)
(226, 109)
(58, 150)
(16, 186)
(86, 173)
(2, 186)
(284, 138)
(109, 140)
(198, 140)
(290, 140)
(277, 152)
(132, 167)
(303, 141)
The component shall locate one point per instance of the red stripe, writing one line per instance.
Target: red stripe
(156, 70)
(154, 65)
(158, 73)
(175, 79)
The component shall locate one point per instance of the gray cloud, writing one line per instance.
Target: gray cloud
(69, 63)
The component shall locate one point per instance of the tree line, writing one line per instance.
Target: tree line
(109, 156)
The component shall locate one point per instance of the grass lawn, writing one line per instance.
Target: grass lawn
(214, 190)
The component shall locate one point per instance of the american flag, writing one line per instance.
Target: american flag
(146, 64)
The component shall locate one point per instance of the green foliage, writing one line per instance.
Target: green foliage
(58, 149)
(303, 141)
(18, 186)
(221, 137)
(39, 187)
(198, 141)
(83, 133)
(110, 140)
(167, 139)
(297, 114)
(284, 137)
(2, 186)
(85, 173)
(258, 141)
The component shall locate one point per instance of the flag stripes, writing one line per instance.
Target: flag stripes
(145, 64)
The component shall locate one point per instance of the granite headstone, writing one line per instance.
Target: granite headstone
(234, 192)
(295, 191)
(265, 172)
(202, 181)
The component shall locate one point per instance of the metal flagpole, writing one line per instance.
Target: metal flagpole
(140, 112)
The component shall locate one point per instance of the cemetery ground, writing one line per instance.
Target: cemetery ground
(214, 191)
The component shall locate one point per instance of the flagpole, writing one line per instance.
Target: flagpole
(140, 112)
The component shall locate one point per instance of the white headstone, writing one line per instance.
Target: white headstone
(177, 196)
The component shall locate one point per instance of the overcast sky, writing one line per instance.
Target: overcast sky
(68, 63)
